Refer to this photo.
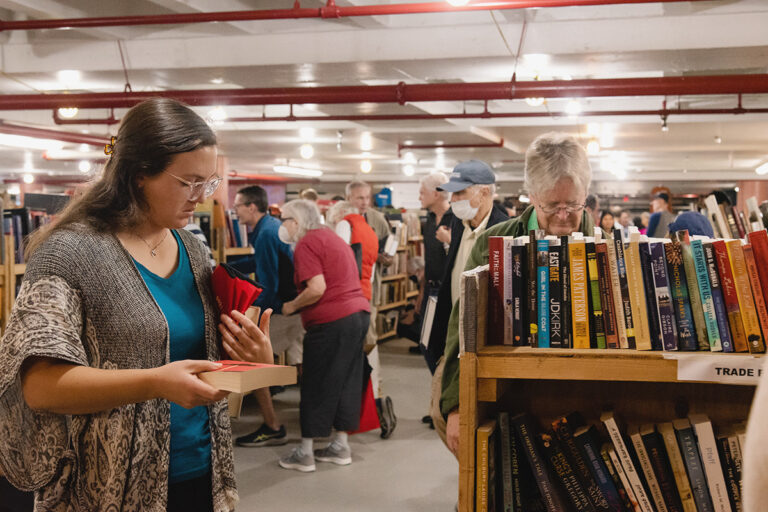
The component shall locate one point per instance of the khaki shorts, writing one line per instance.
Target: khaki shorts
(287, 335)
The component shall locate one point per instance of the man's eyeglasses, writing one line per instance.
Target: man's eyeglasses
(207, 188)
(570, 208)
(283, 219)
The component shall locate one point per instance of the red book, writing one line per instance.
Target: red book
(496, 290)
(759, 242)
(757, 294)
(243, 376)
(730, 296)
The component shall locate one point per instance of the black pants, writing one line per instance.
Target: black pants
(193, 495)
(331, 375)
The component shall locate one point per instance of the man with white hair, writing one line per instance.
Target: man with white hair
(557, 178)
(472, 186)
(439, 214)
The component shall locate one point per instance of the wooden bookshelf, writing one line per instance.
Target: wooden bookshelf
(412, 294)
(391, 305)
(640, 387)
(238, 251)
(394, 277)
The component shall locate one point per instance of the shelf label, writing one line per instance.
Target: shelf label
(736, 369)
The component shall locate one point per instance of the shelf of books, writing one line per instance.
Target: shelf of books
(619, 376)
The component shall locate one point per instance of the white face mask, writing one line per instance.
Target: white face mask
(284, 235)
(463, 210)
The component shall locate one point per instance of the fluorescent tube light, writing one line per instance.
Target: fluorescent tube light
(286, 169)
(21, 141)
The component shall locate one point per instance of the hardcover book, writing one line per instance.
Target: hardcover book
(579, 305)
(496, 317)
(757, 294)
(654, 323)
(664, 305)
(686, 332)
(730, 296)
(242, 376)
(597, 327)
(626, 303)
(721, 313)
(694, 295)
(690, 453)
(744, 292)
(759, 241)
(707, 302)
(606, 295)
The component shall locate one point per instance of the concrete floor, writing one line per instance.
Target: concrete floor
(410, 471)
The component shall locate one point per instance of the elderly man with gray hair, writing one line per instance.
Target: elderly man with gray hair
(557, 178)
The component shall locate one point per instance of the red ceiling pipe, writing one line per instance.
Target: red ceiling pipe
(331, 10)
(106, 120)
(44, 133)
(402, 93)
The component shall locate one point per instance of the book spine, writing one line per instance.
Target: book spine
(626, 301)
(732, 483)
(507, 278)
(730, 296)
(606, 296)
(555, 299)
(542, 273)
(686, 332)
(654, 446)
(533, 315)
(713, 471)
(654, 323)
(549, 494)
(505, 448)
(667, 432)
(721, 313)
(564, 429)
(695, 470)
(626, 462)
(496, 289)
(757, 295)
(615, 463)
(693, 292)
(647, 470)
(735, 449)
(565, 277)
(586, 443)
(519, 302)
(618, 303)
(481, 470)
(579, 307)
(744, 291)
(707, 303)
(665, 307)
(564, 472)
(637, 295)
(759, 241)
(598, 326)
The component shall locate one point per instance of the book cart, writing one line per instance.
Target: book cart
(640, 387)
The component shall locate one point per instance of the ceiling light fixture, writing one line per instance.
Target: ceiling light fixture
(664, 126)
(84, 166)
(534, 102)
(20, 141)
(718, 139)
(408, 170)
(410, 157)
(14, 190)
(299, 171)
(218, 80)
(306, 151)
(762, 169)
(593, 147)
(573, 108)
(366, 166)
(28, 178)
(366, 141)
(69, 77)
(217, 115)
(84, 148)
(68, 112)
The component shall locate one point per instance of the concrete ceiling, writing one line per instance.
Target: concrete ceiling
(615, 41)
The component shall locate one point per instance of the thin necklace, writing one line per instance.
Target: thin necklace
(152, 250)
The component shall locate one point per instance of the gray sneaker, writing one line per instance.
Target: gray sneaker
(298, 460)
(335, 453)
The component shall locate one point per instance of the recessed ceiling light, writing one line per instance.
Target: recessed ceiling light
(28, 178)
(593, 147)
(217, 114)
(68, 112)
(218, 80)
(366, 141)
(408, 170)
(534, 102)
(84, 148)
(68, 77)
(306, 151)
(366, 166)
(84, 166)
(763, 169)
(410, 157)
(299, 171)
(573, 108)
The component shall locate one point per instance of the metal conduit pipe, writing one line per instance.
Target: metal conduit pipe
(403, 93)
(330, 10)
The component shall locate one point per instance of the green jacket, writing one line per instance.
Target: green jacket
(449, 398)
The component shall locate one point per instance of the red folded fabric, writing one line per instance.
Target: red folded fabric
(234, 291)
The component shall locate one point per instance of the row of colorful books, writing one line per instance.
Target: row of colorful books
(19, 223)
(682, 293)
(676, 466)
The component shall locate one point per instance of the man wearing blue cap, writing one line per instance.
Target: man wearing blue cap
(472, 186)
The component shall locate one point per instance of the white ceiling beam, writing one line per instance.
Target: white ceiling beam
(51, 9)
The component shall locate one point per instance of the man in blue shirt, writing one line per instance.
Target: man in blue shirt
(272, 262)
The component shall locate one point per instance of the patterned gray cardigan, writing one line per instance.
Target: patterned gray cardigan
(83, 300)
